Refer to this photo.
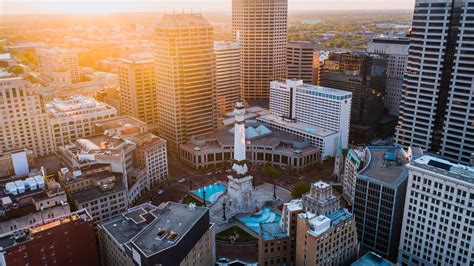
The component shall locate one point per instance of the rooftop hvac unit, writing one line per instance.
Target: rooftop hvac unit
(40, 181)
(11, 188)
(31, 183)
(20, 185)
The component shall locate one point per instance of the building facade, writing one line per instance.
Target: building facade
(185, 78)
(73, 117)
(438, 224)
(227, 56)
(324, 108)
(260, 27)
(320, 200)
(397, 51)
(24, 118)
(69, 239)
(58, 66)
(300, 59)
(437, 100)
(379, 198)
(355, 161)
(138, 94)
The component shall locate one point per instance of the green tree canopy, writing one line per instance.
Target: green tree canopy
(299, 190)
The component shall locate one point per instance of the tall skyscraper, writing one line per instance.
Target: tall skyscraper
(227, 56)
(437, 108)
(138, 93)
(438, 221)
(260, 26)
(58, 66)
(23, 120)
(185, 78)
(397, 51)
(300, 58)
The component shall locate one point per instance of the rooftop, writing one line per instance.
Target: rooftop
(122, 125)
(183, 21)
(152, 228)
(385, 164)
(308, 129)
(371, 259)
(99, 191)
(76, 105)
(444, 167)
(272, 230)
(320, 224)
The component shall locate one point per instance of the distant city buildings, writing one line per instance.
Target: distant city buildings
(303, 61)
(72, 118)
(397, 51)
(23, 118)
(437, 109)
(138, 94)
(185, 78)
(69, 239)
(379, 198)
(227, 56)
(260, 27)
(438, 222)
(168, 234)
(58, 66)
(364, 75)
(321, 107)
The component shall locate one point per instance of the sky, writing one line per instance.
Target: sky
(111, 6)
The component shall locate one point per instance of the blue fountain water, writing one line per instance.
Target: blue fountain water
(212, 191)
(266, 215)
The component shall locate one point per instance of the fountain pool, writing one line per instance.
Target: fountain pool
(266, 215)
(213, 192)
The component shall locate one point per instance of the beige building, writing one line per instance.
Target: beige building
(138, 94)
(168, 234)
(73, 117)
(227, 56)
(260, 26)
(58, 66)
(185, 78)
(23, 119)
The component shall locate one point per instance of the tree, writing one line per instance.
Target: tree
(299, 190)
(271, 172)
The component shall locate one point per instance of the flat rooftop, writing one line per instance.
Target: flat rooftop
(444, 167)
(326, 90)
(153, 228)
(386, 164)
(308, 129)
(271, 231)
(371, 259)
(120, 123)
(98, 192)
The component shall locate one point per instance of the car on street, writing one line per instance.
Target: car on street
(182, 180)
(161, 191)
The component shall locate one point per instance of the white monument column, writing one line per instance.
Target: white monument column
(239, 166)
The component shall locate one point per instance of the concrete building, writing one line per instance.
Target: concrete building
(69, 239)
(73, 117)
(320, 200)
(322, 107)
(264, 146)
(438, 221)
(260, 27)
(58, 66)
(397, 51)
(185, 78)
(302, 59)
(324, 140)
(23, 118)
(379, 198)
(437, 109)
(227, 56)
(30, 199)
(138, 94)
(354, 162)
(170, 234)
(364, 75)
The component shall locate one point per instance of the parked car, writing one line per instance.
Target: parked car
(161, 191)
(182, 180)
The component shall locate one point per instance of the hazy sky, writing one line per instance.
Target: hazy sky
(101, 6)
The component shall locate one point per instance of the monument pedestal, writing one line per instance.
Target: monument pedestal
(239, 192)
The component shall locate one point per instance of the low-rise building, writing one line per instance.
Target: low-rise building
(69, 239)
(169, 234)
(264, 146)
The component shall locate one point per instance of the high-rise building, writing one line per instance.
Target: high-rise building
(437, 108)
(260, 27)
(397, 51)
(58, 66)
(379, 198)
(170, 234)
(364, 75)
(72, 118)
(69, 239)
(138, 94)
(320, 199)
(185, 78)
(300, 58)
(438, 221)
(23, 118)
(227, 56)
(322, 107)
(354, 162)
